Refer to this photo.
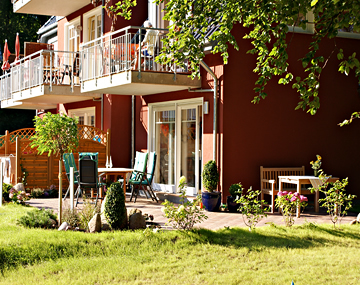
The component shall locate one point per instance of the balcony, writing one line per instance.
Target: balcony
(48, 7)
(113, 65)
(42, 80)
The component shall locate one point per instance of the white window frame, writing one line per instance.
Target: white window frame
(94, 12)
(176, 105)
(72, 24)
(86, 112)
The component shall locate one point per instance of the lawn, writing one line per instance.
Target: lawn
(308, 254)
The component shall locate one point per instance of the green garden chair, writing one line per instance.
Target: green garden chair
(69, 161)
(88, 175)
(143, 180)
(139, 165)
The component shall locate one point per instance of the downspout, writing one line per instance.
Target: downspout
(207, 68)
(132, 130)
(102, 33)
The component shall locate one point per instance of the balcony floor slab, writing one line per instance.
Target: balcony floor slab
(129, 83)
(55, 95)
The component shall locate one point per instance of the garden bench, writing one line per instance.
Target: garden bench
(269, 181)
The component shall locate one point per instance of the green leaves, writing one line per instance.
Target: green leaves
(55, 134)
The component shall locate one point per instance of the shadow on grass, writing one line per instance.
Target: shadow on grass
(279, 237)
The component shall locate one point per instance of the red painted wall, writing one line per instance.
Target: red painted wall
(272, 133)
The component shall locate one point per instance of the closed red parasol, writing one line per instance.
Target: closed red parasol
(17, 47)
(6, 64)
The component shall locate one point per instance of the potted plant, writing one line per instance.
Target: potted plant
(235, 193)
(211, 198)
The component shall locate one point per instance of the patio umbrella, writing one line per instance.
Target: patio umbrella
(6, 64)
(17, 47)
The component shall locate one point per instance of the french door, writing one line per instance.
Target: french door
(176, 136)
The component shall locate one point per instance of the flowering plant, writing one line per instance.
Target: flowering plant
(316, 164)
(18, 197)
(288, 202)
(187, 214)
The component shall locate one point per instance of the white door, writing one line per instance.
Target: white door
(176, 137)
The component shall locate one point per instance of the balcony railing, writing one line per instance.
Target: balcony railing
(119, 51)
(45, 67)
(5, 87)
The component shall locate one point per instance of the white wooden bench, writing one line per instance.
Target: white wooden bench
(269, 181)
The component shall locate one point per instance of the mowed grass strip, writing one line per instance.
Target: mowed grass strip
(307, 254)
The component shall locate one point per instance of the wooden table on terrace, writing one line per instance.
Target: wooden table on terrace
(116, 171)
(304, 180)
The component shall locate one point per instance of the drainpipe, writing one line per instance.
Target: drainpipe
(207, 68)
(102, 33)
(132, 130)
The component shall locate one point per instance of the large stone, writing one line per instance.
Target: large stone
(63, 226)
(19, 187)
(136, 220)
(102, 210)
(104, 223)
(95, 224)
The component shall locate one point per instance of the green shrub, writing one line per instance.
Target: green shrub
(115, 210)
(186, 215)
(236, 190)
(87, 213)
(38, 219)
(6, 191)
(37, 192)
(71, 217)
(210, 176)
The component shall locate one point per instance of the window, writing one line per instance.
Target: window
(72, 34)
(86, 116)
(92, 24)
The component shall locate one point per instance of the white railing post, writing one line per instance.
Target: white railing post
(71, 188)
(51, 64)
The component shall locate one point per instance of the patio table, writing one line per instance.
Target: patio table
(116, 171)
(304, 180)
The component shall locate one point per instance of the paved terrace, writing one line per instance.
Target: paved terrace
(216, 220)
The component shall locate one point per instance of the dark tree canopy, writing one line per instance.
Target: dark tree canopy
(24, 24)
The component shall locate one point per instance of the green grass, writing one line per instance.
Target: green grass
(308, 254)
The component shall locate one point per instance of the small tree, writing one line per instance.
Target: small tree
(56, 135)
(250, 208)
(336, 200)
(187, 214)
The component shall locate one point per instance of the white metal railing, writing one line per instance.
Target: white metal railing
(5, 87)
(119, 51)
(42, 67)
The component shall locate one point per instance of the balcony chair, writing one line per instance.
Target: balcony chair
(147, 54)
(139, 165)
(73, 70)
(69, 161)
(143, 180)
(88, 175)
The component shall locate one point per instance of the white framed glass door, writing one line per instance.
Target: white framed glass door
(176, 137)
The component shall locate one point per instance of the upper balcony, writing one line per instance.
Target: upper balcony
(42, 80)
(48, 7)
(114, 64)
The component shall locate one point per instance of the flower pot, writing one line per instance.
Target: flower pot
(211, 200)
(232, 205)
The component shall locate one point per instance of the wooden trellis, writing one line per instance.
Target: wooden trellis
(42, 170)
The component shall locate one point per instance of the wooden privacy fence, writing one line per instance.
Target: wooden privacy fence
(43, 170)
